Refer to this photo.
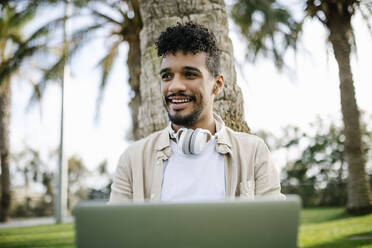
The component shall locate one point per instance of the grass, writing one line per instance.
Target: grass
(56, 236)
(320, 228)
(331, 227)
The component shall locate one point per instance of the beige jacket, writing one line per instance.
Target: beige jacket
(249, 169)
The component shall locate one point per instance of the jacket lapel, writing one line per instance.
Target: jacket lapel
(163, 152)
(223, 146)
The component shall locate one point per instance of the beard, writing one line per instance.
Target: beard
(185, 120)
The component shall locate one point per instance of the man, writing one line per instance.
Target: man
(196, 157)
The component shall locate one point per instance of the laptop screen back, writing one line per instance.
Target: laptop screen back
(238, 223)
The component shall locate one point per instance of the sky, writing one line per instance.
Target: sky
(272, 99)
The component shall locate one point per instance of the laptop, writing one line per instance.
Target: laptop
(219, 224)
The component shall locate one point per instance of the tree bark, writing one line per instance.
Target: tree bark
(156, 17)
(5, 101)
(359, 192)
(132, 36)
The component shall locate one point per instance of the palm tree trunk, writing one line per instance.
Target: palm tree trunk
(5, 101)
(132, 36)
(156, 17)
(359, 192)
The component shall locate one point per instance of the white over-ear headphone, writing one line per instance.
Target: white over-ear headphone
(191, 141)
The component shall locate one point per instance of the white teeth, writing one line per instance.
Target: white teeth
(180, 100)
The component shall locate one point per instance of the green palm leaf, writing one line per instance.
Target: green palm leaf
(268, 27)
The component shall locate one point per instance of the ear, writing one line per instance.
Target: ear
(219, 81)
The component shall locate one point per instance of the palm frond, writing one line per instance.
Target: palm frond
(45, 29)
(10, 66)
(268, 27)
(20, 18)
(79, 35)
(27, 49)
(16, 38)
(106, 17)
(366, 12)
(54, 72)
(106, 65)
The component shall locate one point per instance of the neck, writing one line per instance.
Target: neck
(207, 123)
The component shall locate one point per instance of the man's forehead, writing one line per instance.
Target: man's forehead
(184, 52)
(182, 58)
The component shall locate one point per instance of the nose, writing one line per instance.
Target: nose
(177, 85)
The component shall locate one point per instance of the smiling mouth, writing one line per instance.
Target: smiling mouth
(179, 99)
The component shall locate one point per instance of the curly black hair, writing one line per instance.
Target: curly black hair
(190, 37)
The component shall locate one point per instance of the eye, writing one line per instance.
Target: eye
(190, 75)
(166, 76)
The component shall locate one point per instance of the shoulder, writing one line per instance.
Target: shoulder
(147, 144)
(150, 140)
(142, 151)
(245, 139)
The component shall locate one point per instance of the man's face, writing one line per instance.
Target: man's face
(187, 87)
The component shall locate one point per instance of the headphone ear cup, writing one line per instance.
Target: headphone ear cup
(198, 141)
(194, 148)
(184, 142)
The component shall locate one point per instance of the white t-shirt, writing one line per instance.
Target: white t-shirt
(194, 177)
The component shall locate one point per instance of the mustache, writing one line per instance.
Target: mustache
(167, 98)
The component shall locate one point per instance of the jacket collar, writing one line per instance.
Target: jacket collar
(163, 144)
(223, 142)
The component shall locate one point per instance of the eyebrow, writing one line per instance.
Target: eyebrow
(164, 70)
(189, 68)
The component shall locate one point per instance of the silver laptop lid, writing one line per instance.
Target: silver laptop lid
(238, 223)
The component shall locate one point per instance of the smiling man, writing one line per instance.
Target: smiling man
(188, 89)
(196, 157)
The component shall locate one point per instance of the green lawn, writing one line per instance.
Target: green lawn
(331, 227)
(320, 228)
(57, 236)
